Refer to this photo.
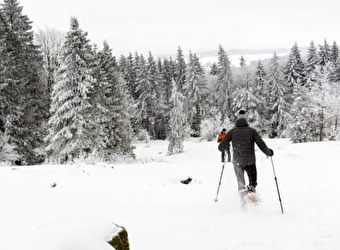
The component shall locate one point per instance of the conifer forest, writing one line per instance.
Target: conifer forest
(63, 98)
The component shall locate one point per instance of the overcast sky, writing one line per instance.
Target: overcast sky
(161, 26)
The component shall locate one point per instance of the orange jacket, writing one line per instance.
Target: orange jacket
(221, 136)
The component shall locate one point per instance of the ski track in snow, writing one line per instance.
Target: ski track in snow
(159, 212)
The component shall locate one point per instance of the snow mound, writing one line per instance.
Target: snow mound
(85, 232)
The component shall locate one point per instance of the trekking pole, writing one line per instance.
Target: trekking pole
(219, 184)
(277, 186)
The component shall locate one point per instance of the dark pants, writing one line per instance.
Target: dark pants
(251, 172)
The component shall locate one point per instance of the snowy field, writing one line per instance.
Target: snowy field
(159, 212)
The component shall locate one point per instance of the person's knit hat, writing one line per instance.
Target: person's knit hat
(241, 114)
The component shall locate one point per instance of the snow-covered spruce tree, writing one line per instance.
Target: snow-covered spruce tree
(279, 107)
(262, 92)
(146, 98)
(180, 70)
(157, 98)
(69, 134)
(260, 78)
(127, 66)
(211, 127)
(200, 107)
(335, 72)
(295, 78)
(2, 79)
(194, 90)
(244, 95)
(210, 102)
(324, 94)
(167, 80)
(167, 77)
(162, 111)
(334, 53)
(111, 131)
(7, 151)
(324, 54)
(50, 44)
(294, 72)
(300, 115)
(177, 123)
(333, 111)
(310, 66)
(224, 86)
(23, 99)
(335, 59)
(213, 69)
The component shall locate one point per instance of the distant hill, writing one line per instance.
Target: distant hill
(252, 56)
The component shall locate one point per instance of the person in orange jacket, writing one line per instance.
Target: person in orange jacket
(221, 135)
(219, 139)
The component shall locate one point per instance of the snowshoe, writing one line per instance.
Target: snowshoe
(252, 198)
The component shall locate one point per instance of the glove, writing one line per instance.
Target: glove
(271, 152)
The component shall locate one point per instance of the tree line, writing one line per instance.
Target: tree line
(62, 98)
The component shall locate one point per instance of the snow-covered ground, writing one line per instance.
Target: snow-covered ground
(159, 212)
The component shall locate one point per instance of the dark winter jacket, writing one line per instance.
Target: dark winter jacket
(243, 138)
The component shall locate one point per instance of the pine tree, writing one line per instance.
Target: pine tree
(128, 68)
(180, 70)
(244, 96)
(23, 95)
(311, 64)
(300, 115)
(294, 71)
(162, 116)
(168, 77)
(224, 85)
(167, 80)
(325, 99)
(240, 98)
(335, 60)
(145, 97)
(262, 93)
(335, 73)
(158, 108)
(260, 79)
(177, 123)
(2, 72)
(214, 69)
(7, 151)
(277, 102)
(324, 54)
(194, 90)
(111, 129)
(334, 53)
(69, 135)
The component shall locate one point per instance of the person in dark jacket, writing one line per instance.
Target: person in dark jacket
(243, 139)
